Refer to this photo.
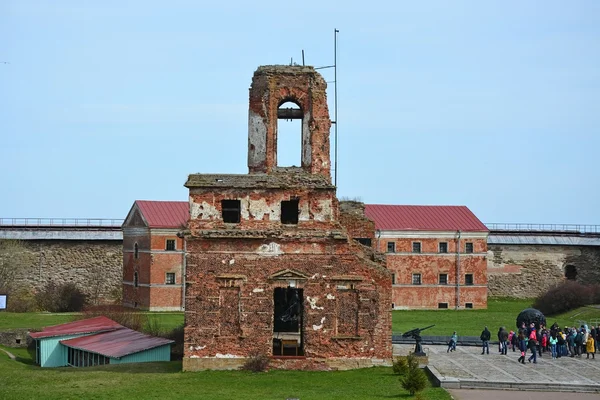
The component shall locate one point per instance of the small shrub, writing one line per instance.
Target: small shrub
(176, 348)
(400, 366)
(257, 362)
(66, 297)
(414, 381)
(566, 296)
(21, 300)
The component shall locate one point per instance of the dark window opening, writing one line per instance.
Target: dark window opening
(393, 279)
(468, 279)
(393, 306)
(442, 305)
(136, 251)
(416, 279)
(468, 247)
(416, 247)
(231, 211)
(170, 245)
(443, 247)
(443, 279)
(288, 313)
(391, 247)
(170, 280)
(18, 341)
(289, 135)
(571, 272)
(468, 305)
(364, 241)
(135, 279)
(289, 212)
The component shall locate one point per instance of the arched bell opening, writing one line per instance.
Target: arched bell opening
(290, 118)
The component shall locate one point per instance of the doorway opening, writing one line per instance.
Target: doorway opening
(288, 313)
(571, 272)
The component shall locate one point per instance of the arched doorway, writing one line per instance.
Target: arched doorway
(571, 272)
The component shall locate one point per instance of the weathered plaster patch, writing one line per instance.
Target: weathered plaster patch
(269, 250)
(304, 212)
(315, 276)
(200, 347)
(194, 356)
(203, 211)
(330, 296)
(317, 327)
(257, 139)
(219, 355)
(232, 261)
(313, 303)
(258, 290)
(324, 212)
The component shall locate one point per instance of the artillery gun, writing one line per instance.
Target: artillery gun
(416, 334)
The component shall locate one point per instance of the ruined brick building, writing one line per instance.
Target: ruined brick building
(269, 267)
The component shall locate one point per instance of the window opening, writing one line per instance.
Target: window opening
(170, 278)
(468, 247)
(289, 211)
(393, 279)
(288, 315)
(135, 279)
(443, 279)
(571, 272)
(468, 305)
(289, 135)
(231, 211)
(391, 247)
(393, 306)
(443, 247)
(136, 251)
(416, 279)
(364, 241)
(170, 245)
(468, 279)
(442, 305)
(416, 247)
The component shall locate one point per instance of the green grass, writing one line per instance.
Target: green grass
(22, 380)
(8, 320)
(500, 312)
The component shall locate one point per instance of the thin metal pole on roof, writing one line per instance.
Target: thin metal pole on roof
(335, 32)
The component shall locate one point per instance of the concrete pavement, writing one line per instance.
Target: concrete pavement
(467, 368)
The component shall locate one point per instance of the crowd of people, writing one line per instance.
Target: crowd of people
(556, 341)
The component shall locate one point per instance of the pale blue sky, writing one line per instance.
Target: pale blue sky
(489, 104)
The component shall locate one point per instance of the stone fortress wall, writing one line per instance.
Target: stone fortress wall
(94, 266)
(513, 270)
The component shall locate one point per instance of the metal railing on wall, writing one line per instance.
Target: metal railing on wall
(44, 222)
(575, 228)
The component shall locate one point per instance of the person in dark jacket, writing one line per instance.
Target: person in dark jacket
(485, 338)
(522, 347)
(503, 337)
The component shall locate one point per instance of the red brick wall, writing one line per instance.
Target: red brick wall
(324, 303)
(430, 264)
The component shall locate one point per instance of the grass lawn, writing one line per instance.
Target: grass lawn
(500, 312)
(22, 380)
(8, 320)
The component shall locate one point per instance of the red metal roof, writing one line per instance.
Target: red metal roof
(423, 218)
(90, 325)
(116, 344)
(165, 214)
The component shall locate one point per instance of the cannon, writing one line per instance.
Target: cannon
(416, 334)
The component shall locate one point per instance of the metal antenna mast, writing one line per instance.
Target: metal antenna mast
(335, 106)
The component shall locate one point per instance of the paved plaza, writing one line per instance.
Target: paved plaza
(467, 368)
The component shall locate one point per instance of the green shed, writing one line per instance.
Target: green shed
(97, 341)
